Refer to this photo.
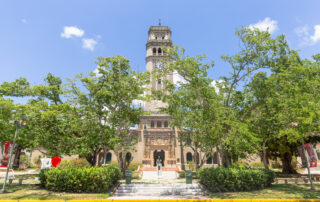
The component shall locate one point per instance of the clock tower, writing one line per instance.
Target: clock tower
(159, 37)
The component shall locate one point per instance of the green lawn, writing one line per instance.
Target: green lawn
(20, 192)
(288, 191)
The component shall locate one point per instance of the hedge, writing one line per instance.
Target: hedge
(235, 179)
(86, 179)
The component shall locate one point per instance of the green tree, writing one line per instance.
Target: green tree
(286, 107)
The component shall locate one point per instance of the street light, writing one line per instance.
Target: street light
(19, 125)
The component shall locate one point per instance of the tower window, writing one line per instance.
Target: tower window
(163, 37)
(166, 124)
(159, 125)
(159, 81)
(154, 50)
(152, 124)
(159, 51)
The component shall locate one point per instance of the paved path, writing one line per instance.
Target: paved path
(312, 171)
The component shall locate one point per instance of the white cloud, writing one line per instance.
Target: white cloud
(138, 103)
(266, 24)
(215, 83)
(89, 44)
(316, 36)
(307, 38)
(23, 20)
(72, 31)
(178, 79)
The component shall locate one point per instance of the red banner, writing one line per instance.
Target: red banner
(6, 154)
(311, 155)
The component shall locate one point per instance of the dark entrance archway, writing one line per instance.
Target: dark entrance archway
(157, 154)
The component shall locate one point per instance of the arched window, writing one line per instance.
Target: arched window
(209, 160)
(128, 157)
(108, 157)
(189, 156)
(159, 81)
(152, 124)
(159, 51)
(159, 125)
(166, 124)
(154, 51)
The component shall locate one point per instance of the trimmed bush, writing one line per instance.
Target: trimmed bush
(257, 165)
(182, 174)
(74, 163)
(235, 179)
(134, 166)
(85, 179)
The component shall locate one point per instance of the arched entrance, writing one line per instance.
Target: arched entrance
(156, 155)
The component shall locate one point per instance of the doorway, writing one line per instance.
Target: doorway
(156, 155)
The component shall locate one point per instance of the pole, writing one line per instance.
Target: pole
(308, 166)
(10, 159)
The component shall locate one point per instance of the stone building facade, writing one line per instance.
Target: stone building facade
(156, 138)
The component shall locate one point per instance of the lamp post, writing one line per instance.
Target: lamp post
(10, 159)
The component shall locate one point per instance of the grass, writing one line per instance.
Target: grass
(288, 191)
(280, 191)
(35, 192)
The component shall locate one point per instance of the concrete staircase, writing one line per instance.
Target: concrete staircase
(160, 191)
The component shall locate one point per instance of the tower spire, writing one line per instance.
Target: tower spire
(159, 22)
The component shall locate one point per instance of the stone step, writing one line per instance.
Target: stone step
(163, 187)
(161, 194)
(157, 190)
(159, 185)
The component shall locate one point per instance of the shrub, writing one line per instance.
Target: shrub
(74, 163)
(114, 164)
(182, 174)
(257, 165)
(239, 165)
(235, 179)
(85, 179)
(37, 161)
(134, 166)
(276, 165)
(24, 161)
(135, 175)
(191, 165)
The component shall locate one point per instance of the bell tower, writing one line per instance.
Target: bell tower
(159, 37)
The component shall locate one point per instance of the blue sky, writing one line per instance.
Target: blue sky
(33, 41)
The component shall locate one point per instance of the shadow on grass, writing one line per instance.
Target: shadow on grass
(275, 191)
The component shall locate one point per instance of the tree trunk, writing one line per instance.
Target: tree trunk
(286, 163)
(92, 158)
(264, 156)
(182, 155)
(218, 156)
